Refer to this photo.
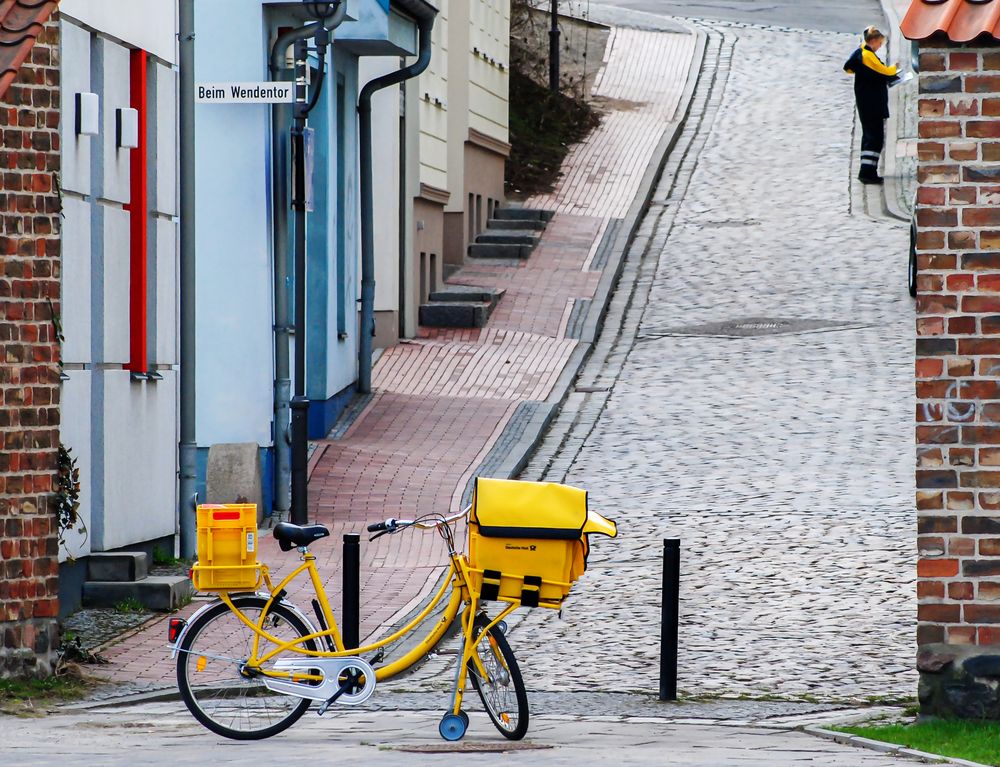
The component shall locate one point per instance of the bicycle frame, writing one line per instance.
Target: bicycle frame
(457, 580)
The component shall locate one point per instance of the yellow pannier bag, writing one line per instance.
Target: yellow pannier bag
(528, 540)
(227, 548)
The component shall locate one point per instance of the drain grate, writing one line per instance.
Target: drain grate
(749, 327)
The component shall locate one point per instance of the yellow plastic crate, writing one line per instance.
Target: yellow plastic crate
(227, 548)
(528, 540)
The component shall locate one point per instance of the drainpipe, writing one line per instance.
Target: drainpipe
(188, 450)
(282, 320)
(425, 23)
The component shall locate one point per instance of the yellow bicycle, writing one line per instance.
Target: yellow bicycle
(251, 663)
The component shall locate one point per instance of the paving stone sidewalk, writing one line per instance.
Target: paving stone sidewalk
(441, 402)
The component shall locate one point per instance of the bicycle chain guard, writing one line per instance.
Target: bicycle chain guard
(332, 670)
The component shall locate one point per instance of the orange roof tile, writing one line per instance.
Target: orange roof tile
(20, 24)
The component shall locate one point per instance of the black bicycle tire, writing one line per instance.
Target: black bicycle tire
(520, 694)
(203, 621)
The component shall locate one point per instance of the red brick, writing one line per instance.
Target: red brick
(974, 613)
(930, 151)
(932, 62)
(966, 107)
(981, 216)
(960, 634)
(963, 150)
(963, 60)
(928, 195)
(982, 83)
(930, 590)
(942, 568)
(939, 613)
(982, 129)
(928, 107)
(958, 326)
(991, 107)
(937, 217)
(963, 195)
(961, 590)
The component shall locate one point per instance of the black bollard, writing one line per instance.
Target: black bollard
(352, 590)
(669, 609)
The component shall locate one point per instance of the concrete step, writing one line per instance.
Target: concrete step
(494, 250)
(522, 214)
(455, 314)
(118, 566)
(157, 592)
(507, 237)
(463, 293)
(513, 223)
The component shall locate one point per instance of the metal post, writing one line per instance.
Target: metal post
(188, 452)
(352, 591)
(554, 49)
(669, 609)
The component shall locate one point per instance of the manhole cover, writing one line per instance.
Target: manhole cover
(749, 327)
(471, 748)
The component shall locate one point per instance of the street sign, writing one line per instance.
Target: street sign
(244, 93)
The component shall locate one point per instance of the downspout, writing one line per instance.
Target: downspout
(188, 449)
(282, 320)
(425, 23)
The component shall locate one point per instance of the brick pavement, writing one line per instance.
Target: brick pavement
(442, 400)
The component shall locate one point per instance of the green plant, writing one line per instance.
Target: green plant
(163, 557)
(130, 605)
(67, 495)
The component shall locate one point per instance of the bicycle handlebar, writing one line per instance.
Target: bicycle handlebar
(393, 525)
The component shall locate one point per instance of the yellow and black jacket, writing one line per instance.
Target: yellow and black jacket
(871, 82)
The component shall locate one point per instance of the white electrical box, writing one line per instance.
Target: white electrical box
(127, 120)
(88, 114)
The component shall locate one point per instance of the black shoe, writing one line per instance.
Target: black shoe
(870, 178)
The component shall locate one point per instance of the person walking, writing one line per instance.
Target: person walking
(871, 92)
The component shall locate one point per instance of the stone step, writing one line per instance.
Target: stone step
(455, 314)
(522, 214)
(507, 237)
(513, 223)
(157, 592)
(495, 250)
(119, 566)
(463, 293)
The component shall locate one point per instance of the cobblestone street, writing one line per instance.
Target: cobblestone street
(782, 461)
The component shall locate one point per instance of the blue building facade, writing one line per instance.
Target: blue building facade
(235, 215)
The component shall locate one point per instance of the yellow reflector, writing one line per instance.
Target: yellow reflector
(506, 718)
(202, 662)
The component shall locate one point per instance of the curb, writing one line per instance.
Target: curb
(519, 455)
(886, 748)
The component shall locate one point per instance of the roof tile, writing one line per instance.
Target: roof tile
(21, 22)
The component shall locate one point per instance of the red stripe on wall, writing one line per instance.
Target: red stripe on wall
(138, 208)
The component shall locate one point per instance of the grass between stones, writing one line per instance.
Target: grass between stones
(35, 696)
(976, 741)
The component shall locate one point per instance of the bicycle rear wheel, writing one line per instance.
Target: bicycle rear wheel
(215, 686)
(502, 689)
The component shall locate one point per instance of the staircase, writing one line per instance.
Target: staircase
(459, 306)
(512, 233)
(123, 576)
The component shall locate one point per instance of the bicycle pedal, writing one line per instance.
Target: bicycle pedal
(378, 657)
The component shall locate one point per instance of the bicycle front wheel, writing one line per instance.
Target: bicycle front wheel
(501, 689)
(214, 682)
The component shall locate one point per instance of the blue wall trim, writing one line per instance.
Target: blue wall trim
(323, 414)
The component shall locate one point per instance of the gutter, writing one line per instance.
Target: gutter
(424, 13)
(282, 320)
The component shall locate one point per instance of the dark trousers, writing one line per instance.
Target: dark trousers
(872, 141)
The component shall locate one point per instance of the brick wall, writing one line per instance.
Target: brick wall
(29, 373)
(958, 345)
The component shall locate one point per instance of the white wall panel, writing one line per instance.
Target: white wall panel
(115, 93)
(165, 233)
(116, 286)
(75, 78)
(139, 458)
(76, 271)
(148, 24)
(165, 196)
